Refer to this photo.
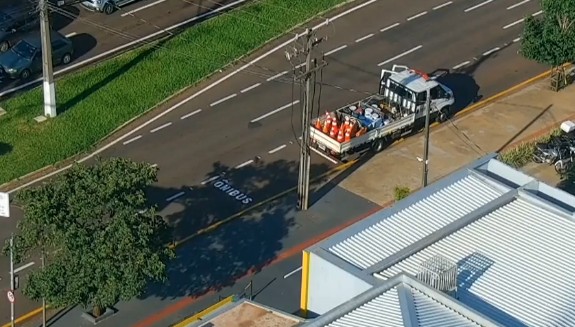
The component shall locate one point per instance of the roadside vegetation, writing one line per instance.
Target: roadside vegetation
(522, 154)
(94, 102)
(401, 192)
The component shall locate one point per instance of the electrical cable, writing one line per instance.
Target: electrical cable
(320, 88)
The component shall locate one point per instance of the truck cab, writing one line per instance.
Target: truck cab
(406, 90)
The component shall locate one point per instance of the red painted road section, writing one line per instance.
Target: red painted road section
(180, 305)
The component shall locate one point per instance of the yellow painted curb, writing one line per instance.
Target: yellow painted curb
(205, 312)
(25, 317)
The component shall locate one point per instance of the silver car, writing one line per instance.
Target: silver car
(105, 6)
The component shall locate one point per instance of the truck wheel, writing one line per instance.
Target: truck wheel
(108, 8)
(377, 145)
(443, 115)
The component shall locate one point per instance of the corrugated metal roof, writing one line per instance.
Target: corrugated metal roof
(383, 311)
(424, 217)
(515, 265)
(431, 313)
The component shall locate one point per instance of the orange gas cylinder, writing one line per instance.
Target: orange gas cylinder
(327, 124)
(341, 136)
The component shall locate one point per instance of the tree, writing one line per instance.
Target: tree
(550, 39)
(102, 240)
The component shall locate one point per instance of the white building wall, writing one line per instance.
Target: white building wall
(330, 285)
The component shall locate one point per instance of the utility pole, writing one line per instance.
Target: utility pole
(43, 298)
(47, 69)
(12, 279)
(311, 66)
(425, 167)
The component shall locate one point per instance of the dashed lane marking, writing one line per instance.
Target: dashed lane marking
(487, 53)
(417, 16)
(335, 50)
(518, 4)
(443, 5)
(389, 27)
(249, 162)
(175, 196)
(190, 114)
(160, 127)
(223, 99)
(274, 111)
(364, 38)
(400, 55)
(135, 138)
(277, 76)
(209, 180)
(249, 88)
(465, 63)
(478, 5)
(274, 150)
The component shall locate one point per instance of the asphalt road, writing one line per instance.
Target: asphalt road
(94, 33)
(244, 131)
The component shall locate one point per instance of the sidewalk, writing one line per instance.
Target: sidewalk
(500, 125)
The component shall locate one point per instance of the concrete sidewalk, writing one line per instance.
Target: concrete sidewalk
(526, 114)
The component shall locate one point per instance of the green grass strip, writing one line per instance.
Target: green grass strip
(103, 97)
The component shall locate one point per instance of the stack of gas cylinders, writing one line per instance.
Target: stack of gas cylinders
(343, 132)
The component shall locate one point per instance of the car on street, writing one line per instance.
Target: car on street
(25, 58)
(16, 20)
(105, 6)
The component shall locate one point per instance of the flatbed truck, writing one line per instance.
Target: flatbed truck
(373, 122)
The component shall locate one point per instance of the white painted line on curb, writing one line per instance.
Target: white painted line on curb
(478, 6)
(190, 114)
(333, 161)
(132, 140)
(400, 55)
(129, 45)
(28, 265)
(274, 150)
(291, 273)
(363, 38)
(182, 102)
(518, 4)
(250, 87)
(274, 111)
(276, 76)
(71, 34)
(223, 99)
(175, 196)
(335, 50)
(460, 65)
(142, 8)
(417, 16)
(487, 53)
(249, 162)
(389, 27)
(443, 5)
(160, 127)
(211, 179)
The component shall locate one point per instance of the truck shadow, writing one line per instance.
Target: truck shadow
(567, 182)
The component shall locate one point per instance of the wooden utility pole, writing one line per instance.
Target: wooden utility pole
(307, 79)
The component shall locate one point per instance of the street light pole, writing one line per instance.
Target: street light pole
(425, 167)
(47, 69)
(43, 298)
(12, 278)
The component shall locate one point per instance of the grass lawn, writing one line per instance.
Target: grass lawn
(94, 102)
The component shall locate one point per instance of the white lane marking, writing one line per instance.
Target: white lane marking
(363, 38)
(276, 76)
(521, 20)
(517, 40)
(154, 165)
(303, 64)
(443, 5)
(274, 111)
(460, 65)
(333, 161)
(223, 99)
(487, 53)
(274, 150)
(142, 8)
(249, 162)
(330, 52)
(28, 265)
(132, 139)
(211, 179)
(184, 101)
(118, 49)
(160, 127)
(389, 27)
(190, 114)
(175, 196)
(417, 16)
(249, 88)
(71, 34)
(518, 4)
(291, 273)
(478, 5)
(400, 55)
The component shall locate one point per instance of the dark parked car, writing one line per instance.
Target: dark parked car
(25, 57)
(16, 20)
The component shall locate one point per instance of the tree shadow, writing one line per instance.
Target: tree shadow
(567, 182)
(465, 89)
(83, 43)
(5, 148)
(59, 20)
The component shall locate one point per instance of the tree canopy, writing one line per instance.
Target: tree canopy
(102, 240)
(550, 38)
